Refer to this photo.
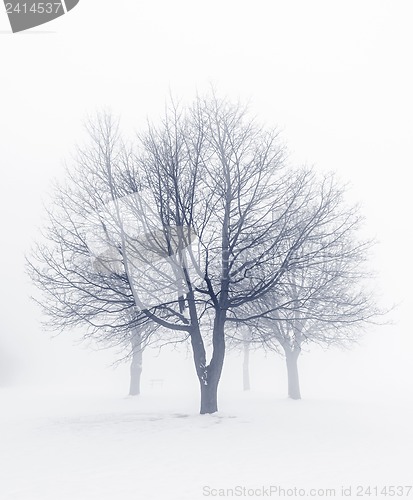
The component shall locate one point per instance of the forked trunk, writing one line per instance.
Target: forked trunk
(210, 375)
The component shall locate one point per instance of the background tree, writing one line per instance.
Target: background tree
(326, 299)
(81, 282)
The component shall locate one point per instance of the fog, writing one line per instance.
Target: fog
(335, 79)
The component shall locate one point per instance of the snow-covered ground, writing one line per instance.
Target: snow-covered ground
(96, 444)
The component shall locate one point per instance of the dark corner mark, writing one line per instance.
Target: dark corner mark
(27, 14)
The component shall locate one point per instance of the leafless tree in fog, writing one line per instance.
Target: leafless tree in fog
(80, 286)
(198, 227)
(326, 297)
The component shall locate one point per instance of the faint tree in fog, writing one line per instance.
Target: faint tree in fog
(246, 341)
(241, 341)
(79, 287)
(326, 299)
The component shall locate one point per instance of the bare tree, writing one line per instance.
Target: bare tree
(82, 284)
(212, 169)
(326, 298)
(195, 227)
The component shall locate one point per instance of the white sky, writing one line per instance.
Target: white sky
(336, 77)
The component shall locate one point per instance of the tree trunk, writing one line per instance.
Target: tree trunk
(246, 366)
(208, 376)
(136, 365)
(292, 372)
(209, 397)
(212, 373)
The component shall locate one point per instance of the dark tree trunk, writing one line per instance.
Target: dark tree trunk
(210, 375)
(209, 397)
(292, 372)
(246, 366)
(209, 385)
(136, 365)
(202, 371)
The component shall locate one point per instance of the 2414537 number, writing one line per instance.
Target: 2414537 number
(34, 8)
(384, 491)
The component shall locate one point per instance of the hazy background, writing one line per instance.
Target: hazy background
(337, 79)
